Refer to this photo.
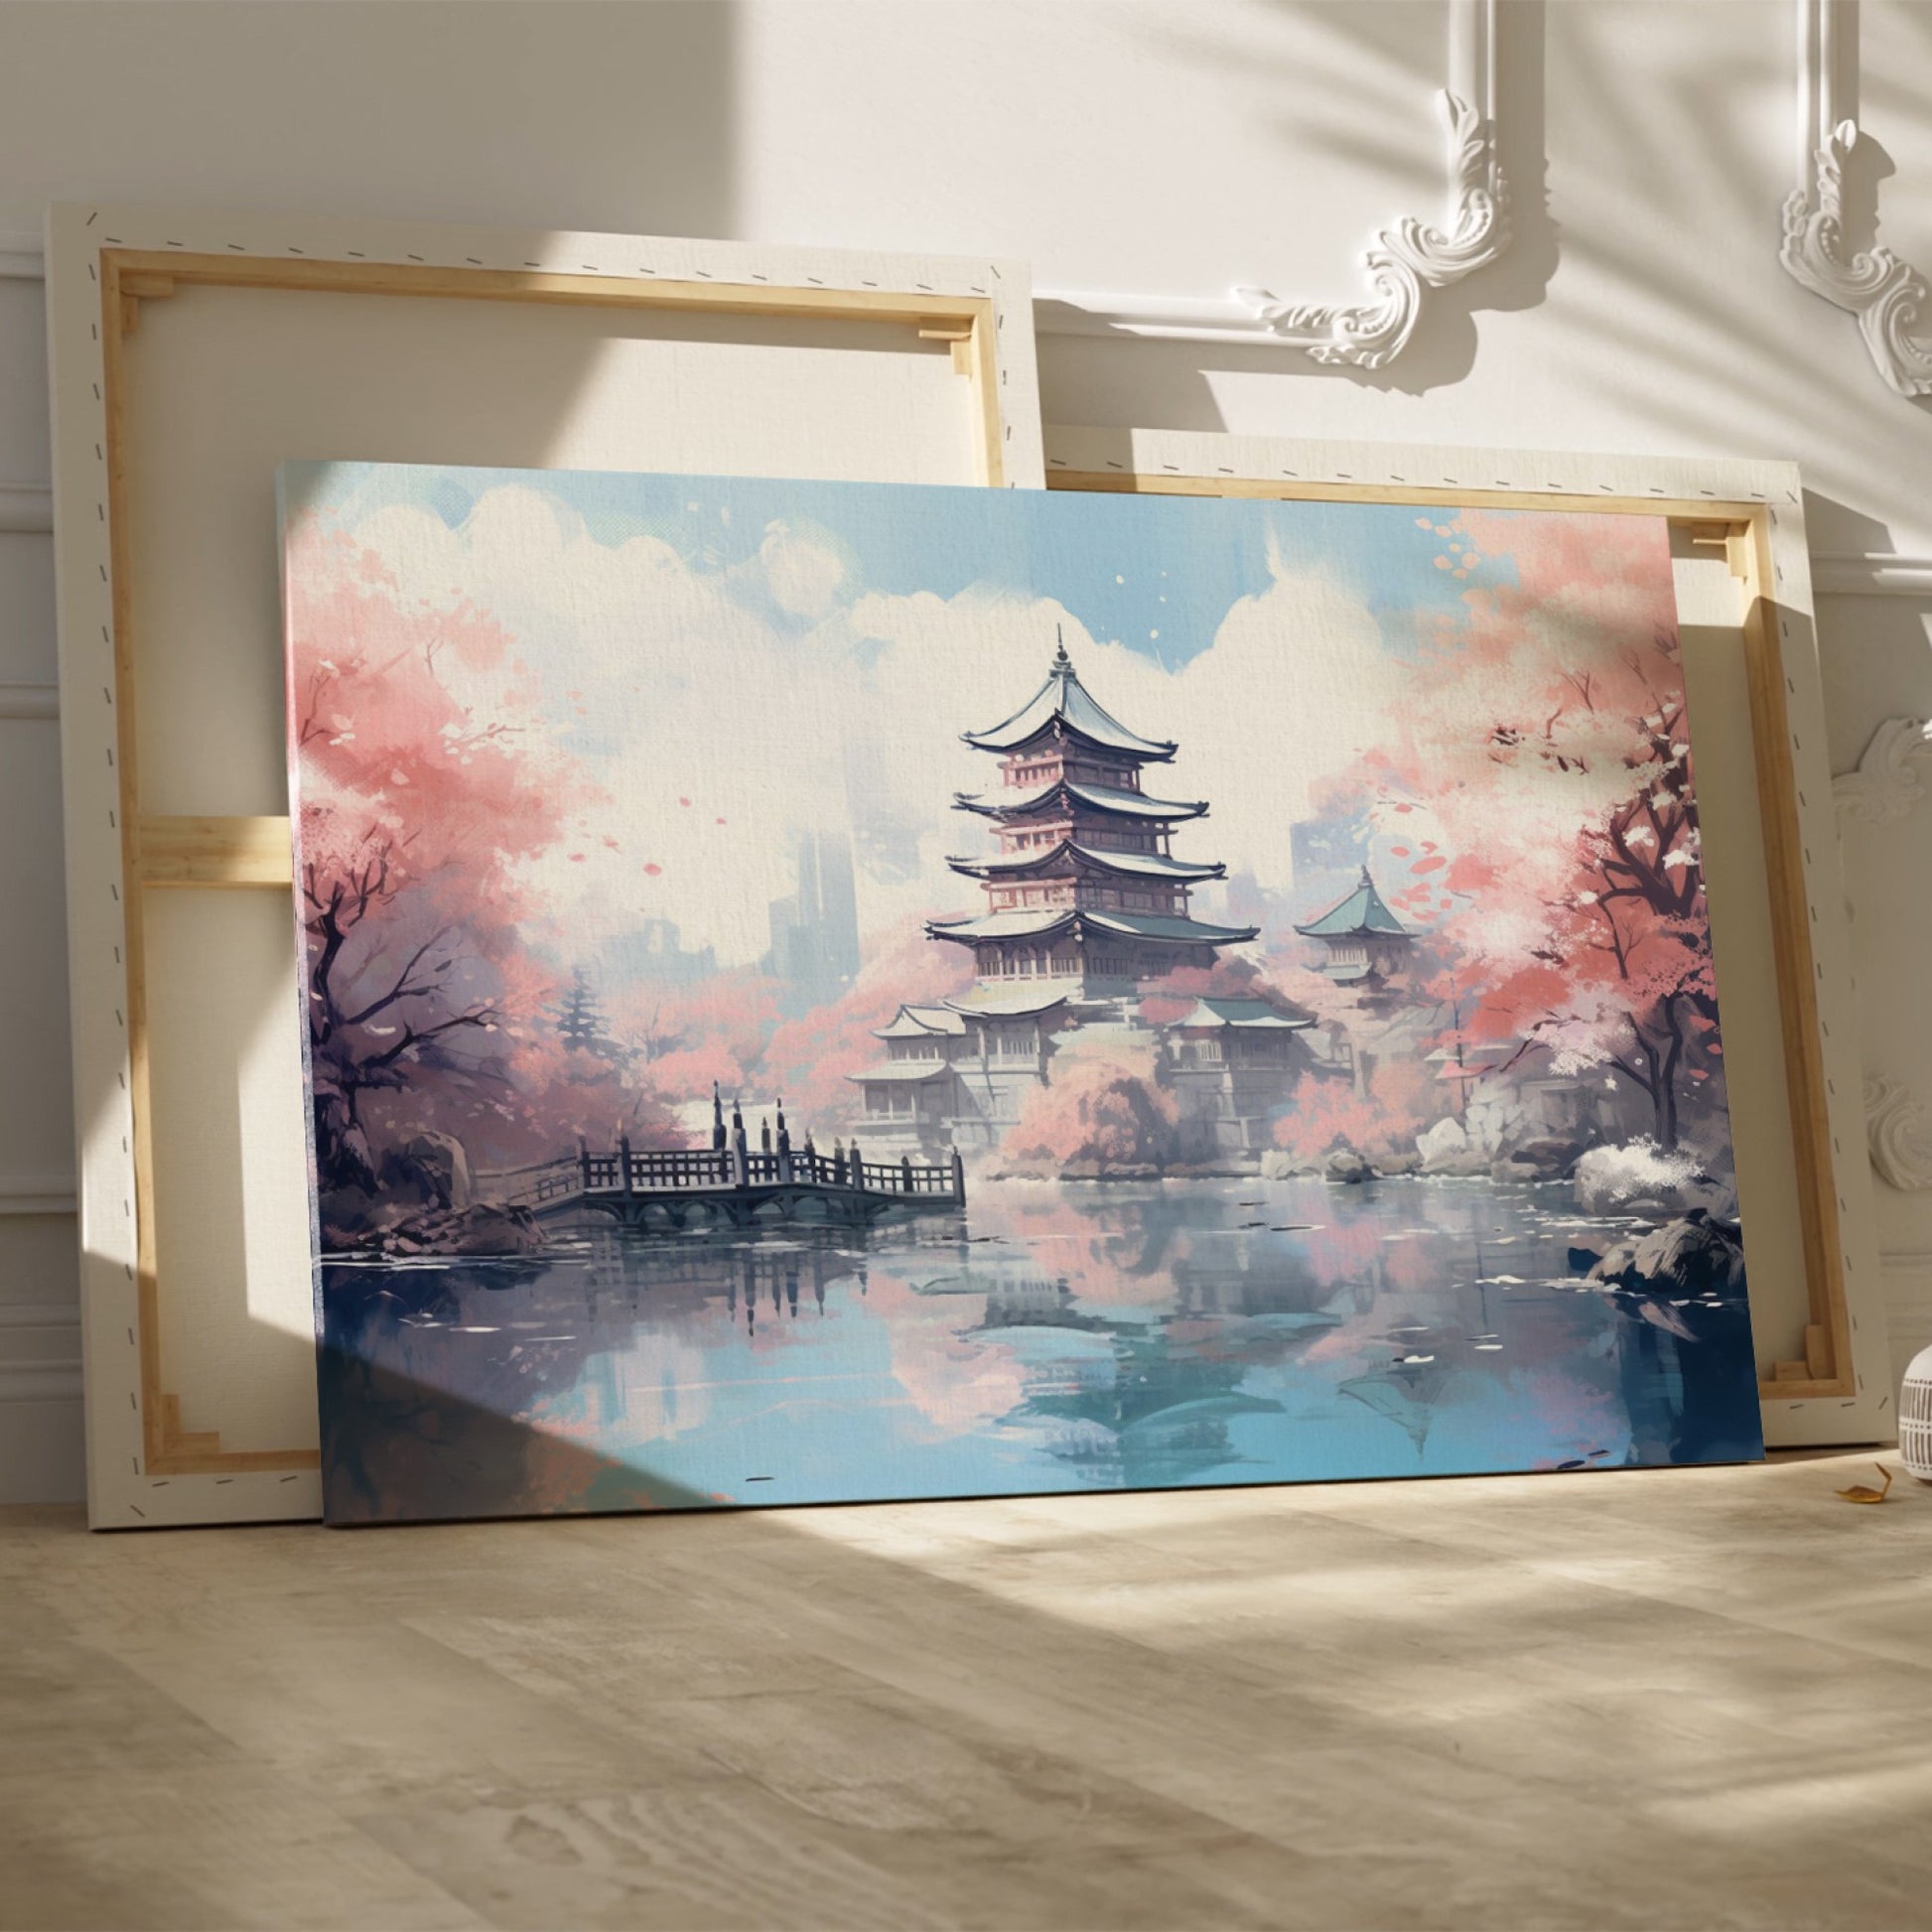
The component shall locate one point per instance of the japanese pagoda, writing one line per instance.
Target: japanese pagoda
(1361, 939)
(1084, 898)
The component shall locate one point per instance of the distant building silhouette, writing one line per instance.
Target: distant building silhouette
(815, 930)
(654, 950)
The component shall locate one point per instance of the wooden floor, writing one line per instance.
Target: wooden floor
(1681, 1698)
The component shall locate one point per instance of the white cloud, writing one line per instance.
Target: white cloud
(701, 709)
(802, 577)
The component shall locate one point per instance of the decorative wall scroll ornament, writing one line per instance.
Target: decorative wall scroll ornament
(1405, 261)
(1885, 789)
(1409, 259)
(1887, 784)
(1887, 295)
(1898, 1130)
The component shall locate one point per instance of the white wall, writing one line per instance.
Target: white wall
(1122, 145)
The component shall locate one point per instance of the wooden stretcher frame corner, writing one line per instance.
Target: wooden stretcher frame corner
(1831, 1381)
(148, 1465)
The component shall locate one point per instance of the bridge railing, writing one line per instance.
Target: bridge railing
(648, 1171)
(674, 1168)
(530, 1186)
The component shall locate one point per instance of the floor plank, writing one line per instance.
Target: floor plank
(1696, 1697)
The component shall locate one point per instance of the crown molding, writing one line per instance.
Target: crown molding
(36, 1193)
(26, 509)
(1406, 262)
(1870, 573)
(22, 258)
(1886, 294)
(29, 701)
(1886, 785)
(40, 1352)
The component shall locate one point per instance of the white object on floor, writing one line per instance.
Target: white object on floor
(1915, 1415)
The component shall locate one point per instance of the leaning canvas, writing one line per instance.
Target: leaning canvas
(818, 991)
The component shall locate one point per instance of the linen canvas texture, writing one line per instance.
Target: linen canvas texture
(818, 991)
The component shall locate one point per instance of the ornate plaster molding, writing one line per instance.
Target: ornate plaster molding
(1887, 784)
(1886, 294)
(1406, 262)
(1898, 1131)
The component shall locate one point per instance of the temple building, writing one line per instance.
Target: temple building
(1084, 897)
(1085, 905)
(1361, 939)
(1229, 1064)
(1365, 949)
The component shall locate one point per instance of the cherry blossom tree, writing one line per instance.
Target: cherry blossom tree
(809, 1057)
(1104, 1107)
(429, 781)
(1539, 801)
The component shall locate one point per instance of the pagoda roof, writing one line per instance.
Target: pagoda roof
(1360, 915)
(1064, 700)
(1099, 799)
(1248, 1016)
(1162, 928)
(906, 1072)
(984, 1004)
(919, 1022)
(1164, 925)
(1132, 865)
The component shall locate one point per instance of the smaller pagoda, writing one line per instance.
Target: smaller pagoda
(1363, 942)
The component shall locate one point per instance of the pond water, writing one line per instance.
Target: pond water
(1046, 1337)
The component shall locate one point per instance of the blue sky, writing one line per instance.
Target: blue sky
(743, 659)
(1128, 566)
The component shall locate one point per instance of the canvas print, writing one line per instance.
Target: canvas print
(824, 991)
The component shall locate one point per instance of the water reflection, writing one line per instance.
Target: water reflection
(1047, 1338)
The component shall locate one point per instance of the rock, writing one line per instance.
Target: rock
(1548, 1159)
(479, 1229)
(1348, 1165)
(1693, 1255)
(429, 1167)
(1495, 1121)
(1446, 1148)
(1277, 1163)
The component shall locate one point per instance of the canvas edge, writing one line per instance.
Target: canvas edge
(120, 1493)
(1867, 1414)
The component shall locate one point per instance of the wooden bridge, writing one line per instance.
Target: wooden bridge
(726, 1186)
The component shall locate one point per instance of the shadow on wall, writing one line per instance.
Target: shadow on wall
(1444, 349)
(334, 106)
